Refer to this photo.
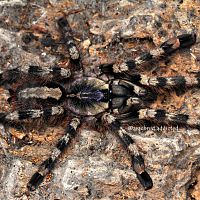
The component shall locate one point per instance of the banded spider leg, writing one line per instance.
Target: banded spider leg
(68, 40)
(48, 165)
(137, 107)
(46, 91)
(125, 99)
(70, 131)
(165, 49)
(12, 75)
(129, 144)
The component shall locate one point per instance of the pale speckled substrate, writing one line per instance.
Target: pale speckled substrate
(96, 166)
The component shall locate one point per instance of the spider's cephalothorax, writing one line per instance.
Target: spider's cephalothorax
(125, 98)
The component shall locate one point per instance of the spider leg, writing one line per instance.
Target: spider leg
(48, 165)
(174, 81)
(158, 115)
(12, 75)
(136, 158)
(54, 71)
(68, 39)
(163, 116)
(30, 114)
(165, 49)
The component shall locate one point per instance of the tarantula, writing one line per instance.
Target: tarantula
(123, 99)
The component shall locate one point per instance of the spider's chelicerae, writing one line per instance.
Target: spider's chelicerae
(125, 98)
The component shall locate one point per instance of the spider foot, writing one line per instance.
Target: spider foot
(2, 118)
(181, 41)
(48, 165)
(139, 168)
(145, 180)
(35, 181)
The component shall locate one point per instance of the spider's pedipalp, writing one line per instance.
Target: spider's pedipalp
(48, 165)
(122, 87)
(131, 101)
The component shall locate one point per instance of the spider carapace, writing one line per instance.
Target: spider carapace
(124, 98)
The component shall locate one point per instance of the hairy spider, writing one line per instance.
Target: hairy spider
(125, 98)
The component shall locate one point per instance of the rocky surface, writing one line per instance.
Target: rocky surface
(96, 166)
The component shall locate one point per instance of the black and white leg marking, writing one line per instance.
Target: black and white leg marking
(174, 81)
(33, 113)
(48, 165)
(46, 71)
(168, 47)
(136, 158)
(40, 93)
(163, 116)
(121, 107)
(68, 38)
(12, 75)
